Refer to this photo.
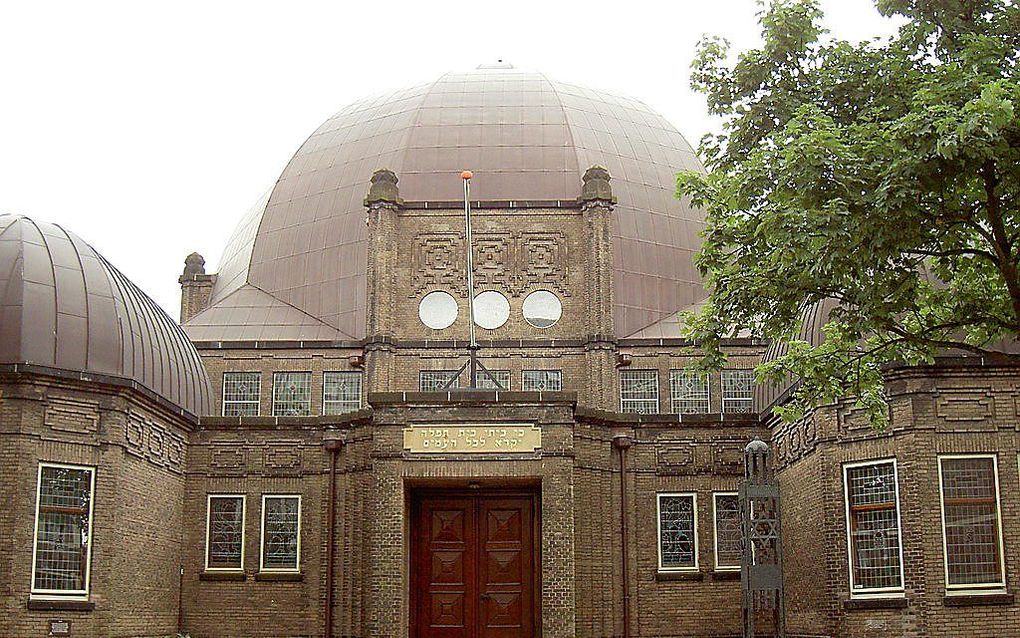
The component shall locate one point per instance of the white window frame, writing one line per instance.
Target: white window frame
(454, 386)
(729, 401)
(524, 374)
(973, 588)
(262, 540)
(63, 594)
(223, 391)
(283, 372)
(361, 391)
(873, 592)
(658, 530)
(208, 524)
(673, 400)
(715, 533)
(658, 394)
(481, 377)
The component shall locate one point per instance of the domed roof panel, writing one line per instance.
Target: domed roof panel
(65, 307)
(524, 136)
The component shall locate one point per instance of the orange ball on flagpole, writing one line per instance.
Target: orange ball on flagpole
(466, 175)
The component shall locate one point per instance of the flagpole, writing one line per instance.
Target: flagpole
(473, 346)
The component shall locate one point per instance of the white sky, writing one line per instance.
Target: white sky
(150, 128)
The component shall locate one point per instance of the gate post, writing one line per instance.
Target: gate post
(761, 561)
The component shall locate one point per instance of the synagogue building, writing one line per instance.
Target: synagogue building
(326, 444)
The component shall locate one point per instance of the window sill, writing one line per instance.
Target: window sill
(889, 602)
(280, 577)
(973, 600)
(726, 574)
(232, 575)
(42, 604)
(679, 576)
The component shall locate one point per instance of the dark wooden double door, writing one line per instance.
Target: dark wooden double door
(473, 565)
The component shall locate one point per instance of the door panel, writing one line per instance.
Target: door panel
(473, 566)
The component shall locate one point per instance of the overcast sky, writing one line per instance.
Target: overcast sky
(150, 128)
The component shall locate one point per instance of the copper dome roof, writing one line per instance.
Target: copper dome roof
(64, 307)
(524, 136)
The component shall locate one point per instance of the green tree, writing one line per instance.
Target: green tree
(881, 178)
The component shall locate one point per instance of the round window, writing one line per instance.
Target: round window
(438, 310)
(491, 309)
(542, 309)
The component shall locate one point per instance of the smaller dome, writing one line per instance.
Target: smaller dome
(63, 306)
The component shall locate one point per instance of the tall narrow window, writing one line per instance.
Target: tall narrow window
(281, 533)
(737, 390)
(542, 380)
(727, 531)
(241, 393)
(63, 530)
(224, 539)
(639, 391)
(873, 528)
(678, 539)
(436, 380)
(970, 522)
(502, 377)
(341, 392)
(688, 392)
(292, 394)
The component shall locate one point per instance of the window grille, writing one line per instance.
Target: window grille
(639, 391)
(874, 527)
(436, 380)
(737, 390)
(678, 543)
(727, 531)
(688, 392)
(483, 380)
(281, 533)
(341, 392)
(970, 517)
(63, 530)
(292, 394)
(241, 393)
(225, 532)
(542, 380)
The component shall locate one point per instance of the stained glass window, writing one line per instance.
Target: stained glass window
(688, 392)
(436, 380)
(341, 392)
(225, 534)
(542, 380)
(281, 532)
(727, 531)
(63, 530)
(737, 390)
(678, 545)
(874, 525)
(483, 380)
(639, 391)
(292, 394)
(241, 393)
(970, 513)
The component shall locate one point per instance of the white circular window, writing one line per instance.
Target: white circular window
(491, 309)
(542, 309)
(438, 310)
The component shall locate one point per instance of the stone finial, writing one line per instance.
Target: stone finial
(194, 264)
(596, 186)
(384, 188)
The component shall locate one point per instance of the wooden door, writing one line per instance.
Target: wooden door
(473, 566)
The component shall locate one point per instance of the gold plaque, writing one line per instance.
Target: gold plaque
(472, 438)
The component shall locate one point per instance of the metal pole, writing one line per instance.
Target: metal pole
(473, 346)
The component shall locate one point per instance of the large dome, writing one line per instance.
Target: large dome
(524, 136)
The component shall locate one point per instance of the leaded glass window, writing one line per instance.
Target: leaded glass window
(281, 533)
(542, 380)
(737, 390)
(688, 392)
(292, 394)
(436, 380)
(63, 537)
(874, 527)
(727, 531)
(225, 532)
(483, 380)
(341, 392)
(639, 391)
(970, 516)
(241, 393)
(678, 543)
